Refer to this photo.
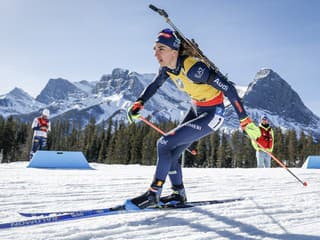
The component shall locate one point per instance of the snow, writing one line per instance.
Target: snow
(277, 205)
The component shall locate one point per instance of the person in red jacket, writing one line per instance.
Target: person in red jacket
(266, 140)
(40, 126)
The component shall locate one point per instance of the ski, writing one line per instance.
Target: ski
(89, 211)
(106, 212)
(188, 204)
(65, 217)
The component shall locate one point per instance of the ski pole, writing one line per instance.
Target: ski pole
(193, 152)
(279, 162)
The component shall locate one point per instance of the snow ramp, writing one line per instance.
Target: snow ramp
(59, 160)
(312, 162)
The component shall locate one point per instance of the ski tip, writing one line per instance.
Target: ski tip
(24, 214)
(305, 184)
(129, 205)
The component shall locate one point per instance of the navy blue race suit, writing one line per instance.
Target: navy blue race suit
(206, 89)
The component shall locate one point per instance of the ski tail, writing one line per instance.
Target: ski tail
(202, 203)
(210, 202)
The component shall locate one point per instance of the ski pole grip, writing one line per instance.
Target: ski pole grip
(160, 11)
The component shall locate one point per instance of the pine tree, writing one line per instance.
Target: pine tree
(21, 137)
(317, 147)
(9, 139)
(280, 149)
(302, 150)
(102, 148)
(93, 148)
(291, 140)
(200, 160)
(73, 139)
(106, 137)
(90, 139)
(149, 147)
(213, 149)
(2, 124)
(307, 147)
(110, 150)
(249, 154)
(122, 145)
(237, 148)
(224, 153)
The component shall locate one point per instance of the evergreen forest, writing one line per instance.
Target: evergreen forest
(118, 143)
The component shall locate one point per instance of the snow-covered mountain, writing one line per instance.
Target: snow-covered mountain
(110, 96)
(60, 91)
(18, 102)
(271, 95)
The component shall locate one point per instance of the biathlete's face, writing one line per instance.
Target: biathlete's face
(166, 56)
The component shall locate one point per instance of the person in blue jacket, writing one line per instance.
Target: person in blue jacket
(206, 89)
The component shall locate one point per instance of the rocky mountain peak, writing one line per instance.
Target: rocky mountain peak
(120, 73)
(18, 92)
(120, 81)
(59, 89)
(273, 94)
(17, 101)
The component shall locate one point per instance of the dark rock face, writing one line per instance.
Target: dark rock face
(270, 92)
(59, 89)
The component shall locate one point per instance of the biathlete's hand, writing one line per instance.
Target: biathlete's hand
(133, 111)
(250, 128)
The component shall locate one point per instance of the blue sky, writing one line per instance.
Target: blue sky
(84, 39)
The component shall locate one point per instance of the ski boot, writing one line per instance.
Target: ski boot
(150, 199)
(177, 197)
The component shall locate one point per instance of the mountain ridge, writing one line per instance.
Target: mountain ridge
(267, 94)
